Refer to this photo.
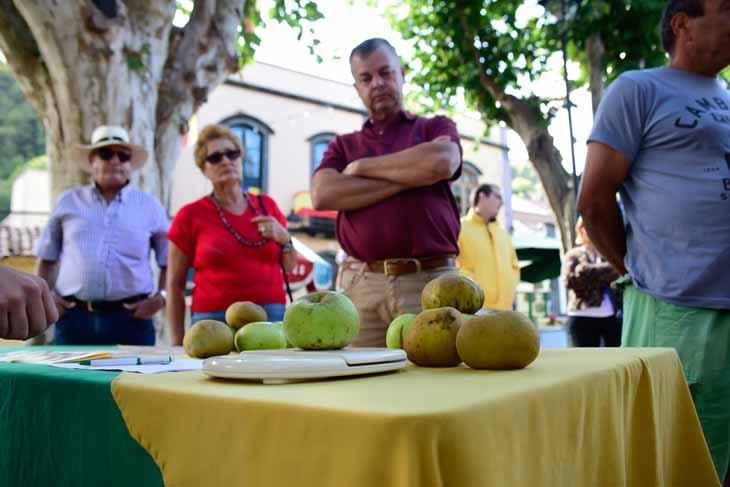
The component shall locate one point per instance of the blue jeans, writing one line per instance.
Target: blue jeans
(79, 326)
(274, 312)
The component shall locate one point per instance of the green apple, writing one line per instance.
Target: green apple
(397, 330)
(281, 325)
(260, 335)
(323, 320)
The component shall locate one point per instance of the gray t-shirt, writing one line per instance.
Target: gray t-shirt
(674, 126)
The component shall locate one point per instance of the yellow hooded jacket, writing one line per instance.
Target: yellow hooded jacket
(486, 255)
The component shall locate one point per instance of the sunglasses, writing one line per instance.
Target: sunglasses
(106, 153)
(216, 157)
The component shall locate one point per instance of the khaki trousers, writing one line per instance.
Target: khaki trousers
(380, 298)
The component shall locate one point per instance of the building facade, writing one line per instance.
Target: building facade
(286, 119)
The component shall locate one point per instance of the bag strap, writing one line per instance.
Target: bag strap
(281, 258)
(261, 204)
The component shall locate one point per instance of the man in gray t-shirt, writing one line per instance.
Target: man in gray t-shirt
(661, 138)
(673, 126)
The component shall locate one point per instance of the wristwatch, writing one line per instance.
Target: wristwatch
(288, 246)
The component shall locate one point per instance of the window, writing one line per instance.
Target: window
(254, 137)
(319, 145)
(463, 187)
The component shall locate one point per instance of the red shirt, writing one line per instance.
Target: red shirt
(227, 271)
(418, 222)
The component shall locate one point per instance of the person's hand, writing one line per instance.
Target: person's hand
(145, 309)
(271, 229)
(61, 304)
(26, 305)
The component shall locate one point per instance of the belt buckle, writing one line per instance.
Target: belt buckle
(89, 306)
(387, 261)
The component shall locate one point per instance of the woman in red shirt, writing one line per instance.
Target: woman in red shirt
(236, 242)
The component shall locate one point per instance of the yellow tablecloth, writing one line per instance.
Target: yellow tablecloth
(577, 417)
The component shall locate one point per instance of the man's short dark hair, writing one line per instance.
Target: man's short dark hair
(486, 190)
(693, 8)
(366, 47)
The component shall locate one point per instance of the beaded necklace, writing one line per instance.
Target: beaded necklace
(244, 241)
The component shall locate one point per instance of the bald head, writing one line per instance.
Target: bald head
(378, 77)
(366, 47)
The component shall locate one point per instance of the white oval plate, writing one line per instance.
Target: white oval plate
(280, 366)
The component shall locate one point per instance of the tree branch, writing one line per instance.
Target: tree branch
(539, 143)
(200, 56)
(23, 56)
(524, 123)
(16, 40)
(595, 51)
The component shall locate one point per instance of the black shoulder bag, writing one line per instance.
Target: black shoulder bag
(281, 257)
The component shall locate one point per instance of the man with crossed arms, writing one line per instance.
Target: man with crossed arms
(398, 221)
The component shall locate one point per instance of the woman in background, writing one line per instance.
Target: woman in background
(592, 310)
(236, 242)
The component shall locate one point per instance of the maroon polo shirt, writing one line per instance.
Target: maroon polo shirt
(417, 222)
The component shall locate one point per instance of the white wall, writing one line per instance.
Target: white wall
(294, 122)
(30, 194)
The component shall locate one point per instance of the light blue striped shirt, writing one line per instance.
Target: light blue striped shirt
(104, 249)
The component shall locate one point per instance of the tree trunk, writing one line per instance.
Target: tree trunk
(547, 161)
(200, 57)
(555, 180)
(530, 126)
(124, 64)
(595, 51)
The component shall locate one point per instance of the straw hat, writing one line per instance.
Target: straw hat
(105, 135)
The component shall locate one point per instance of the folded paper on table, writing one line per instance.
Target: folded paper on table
(177, 365)
(54, 356)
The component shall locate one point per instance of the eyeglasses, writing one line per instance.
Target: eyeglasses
(216, 157)
(107, 153)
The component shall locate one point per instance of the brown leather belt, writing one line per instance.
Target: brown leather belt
(398, 267)
(105, 306)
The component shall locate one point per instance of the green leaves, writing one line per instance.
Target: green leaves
(459, 43)
(298, 14)
(629, 30)
(510, 42)
(248, 40)
(136, 59)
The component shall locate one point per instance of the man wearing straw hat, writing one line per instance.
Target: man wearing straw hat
(95, 250)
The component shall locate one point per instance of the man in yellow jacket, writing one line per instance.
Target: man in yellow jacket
(486, 253)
